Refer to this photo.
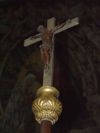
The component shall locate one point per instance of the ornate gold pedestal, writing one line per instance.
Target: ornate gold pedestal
(47, 106)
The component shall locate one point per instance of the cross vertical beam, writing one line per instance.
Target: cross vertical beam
(48, 77)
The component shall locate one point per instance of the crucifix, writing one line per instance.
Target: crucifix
(47, 107)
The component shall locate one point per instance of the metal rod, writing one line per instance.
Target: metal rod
(45, 126)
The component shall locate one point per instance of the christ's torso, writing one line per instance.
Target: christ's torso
(47, 37)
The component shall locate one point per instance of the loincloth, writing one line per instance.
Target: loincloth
(45, 45)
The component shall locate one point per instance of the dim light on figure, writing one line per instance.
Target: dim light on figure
(47, 44)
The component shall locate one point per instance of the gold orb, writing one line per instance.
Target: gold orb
(47, 106)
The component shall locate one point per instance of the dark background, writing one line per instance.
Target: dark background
(77, 64)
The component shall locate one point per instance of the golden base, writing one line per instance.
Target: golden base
(47, 106)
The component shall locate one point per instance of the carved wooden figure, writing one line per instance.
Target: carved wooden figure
(47, 43)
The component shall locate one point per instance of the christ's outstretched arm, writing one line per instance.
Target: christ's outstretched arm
(60, 26)
(34, 37)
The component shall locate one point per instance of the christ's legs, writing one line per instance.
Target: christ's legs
(43, 56)
(47, 54)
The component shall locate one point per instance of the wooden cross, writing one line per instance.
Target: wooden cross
(48, 77)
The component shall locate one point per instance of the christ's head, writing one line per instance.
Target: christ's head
(41, 29)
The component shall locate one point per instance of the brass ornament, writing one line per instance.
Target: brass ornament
(47, 106)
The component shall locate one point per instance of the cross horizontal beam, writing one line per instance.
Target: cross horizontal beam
(74, 22)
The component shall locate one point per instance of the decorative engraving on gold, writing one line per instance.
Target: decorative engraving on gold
(47, 106)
